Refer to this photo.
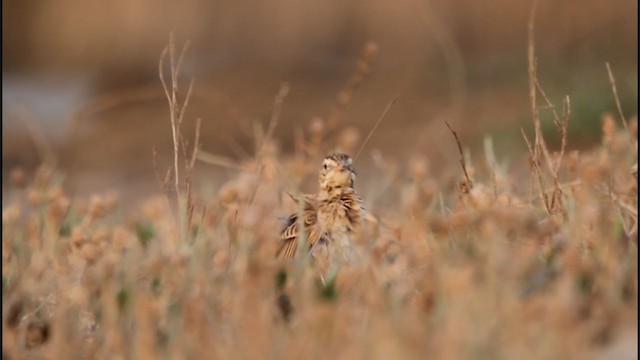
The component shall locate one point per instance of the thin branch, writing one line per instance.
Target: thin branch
(38, 137)
(154, 161)
(625, 206)
(539, 144)
(196, 144)
(299, 142)
(454, 59)
(462, 162)
(235, 146)
(186, 101)
(616, 200)
(137, 94)
(166, 181)
(536, 170)
(375, 127)
(531, 59)
(50, 299)
(189, 176)
(174, 73)
(564, 130)
(491, 164)
(612, 80)
(369, 52)
(171, 98)
(163, 55)
(183, 146)
(176, 110)
(561, 123)
(185, 49)
(275, 115)
(570, 184)
(550, 106)
(219, 160)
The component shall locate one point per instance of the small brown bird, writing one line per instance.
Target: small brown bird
(332, 215)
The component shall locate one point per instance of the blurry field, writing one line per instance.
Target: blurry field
(494, 265)
(510, 235)
(460, 61)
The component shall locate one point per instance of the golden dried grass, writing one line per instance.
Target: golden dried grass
(484, 269)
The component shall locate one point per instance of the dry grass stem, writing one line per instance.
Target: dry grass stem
(177, 113)
(462, 161)
(38, 137)
(176, 110)
(535, 165)
(614, 88)
(369, 52)
(219, 160)
(375, 127)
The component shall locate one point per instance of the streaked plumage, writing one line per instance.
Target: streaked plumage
(289, 234)
(331, 215)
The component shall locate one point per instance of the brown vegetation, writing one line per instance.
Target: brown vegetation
(471, 262)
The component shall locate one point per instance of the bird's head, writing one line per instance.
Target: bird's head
(337, 173)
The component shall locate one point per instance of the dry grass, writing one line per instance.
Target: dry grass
(482, 270)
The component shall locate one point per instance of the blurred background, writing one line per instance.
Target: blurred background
(82, 77)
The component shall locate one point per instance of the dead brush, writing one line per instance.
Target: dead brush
(495, 271)
(184, 200)
(447, 273)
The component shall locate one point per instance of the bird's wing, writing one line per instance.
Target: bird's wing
(289, 238)
(354, 207)
(290, 233)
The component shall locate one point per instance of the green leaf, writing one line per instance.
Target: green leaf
(281, 279)
(122, 299)
(328, 291)
(145, 232)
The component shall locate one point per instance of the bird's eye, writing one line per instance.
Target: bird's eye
(325, 166)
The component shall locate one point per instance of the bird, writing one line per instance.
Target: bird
(331, 216)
